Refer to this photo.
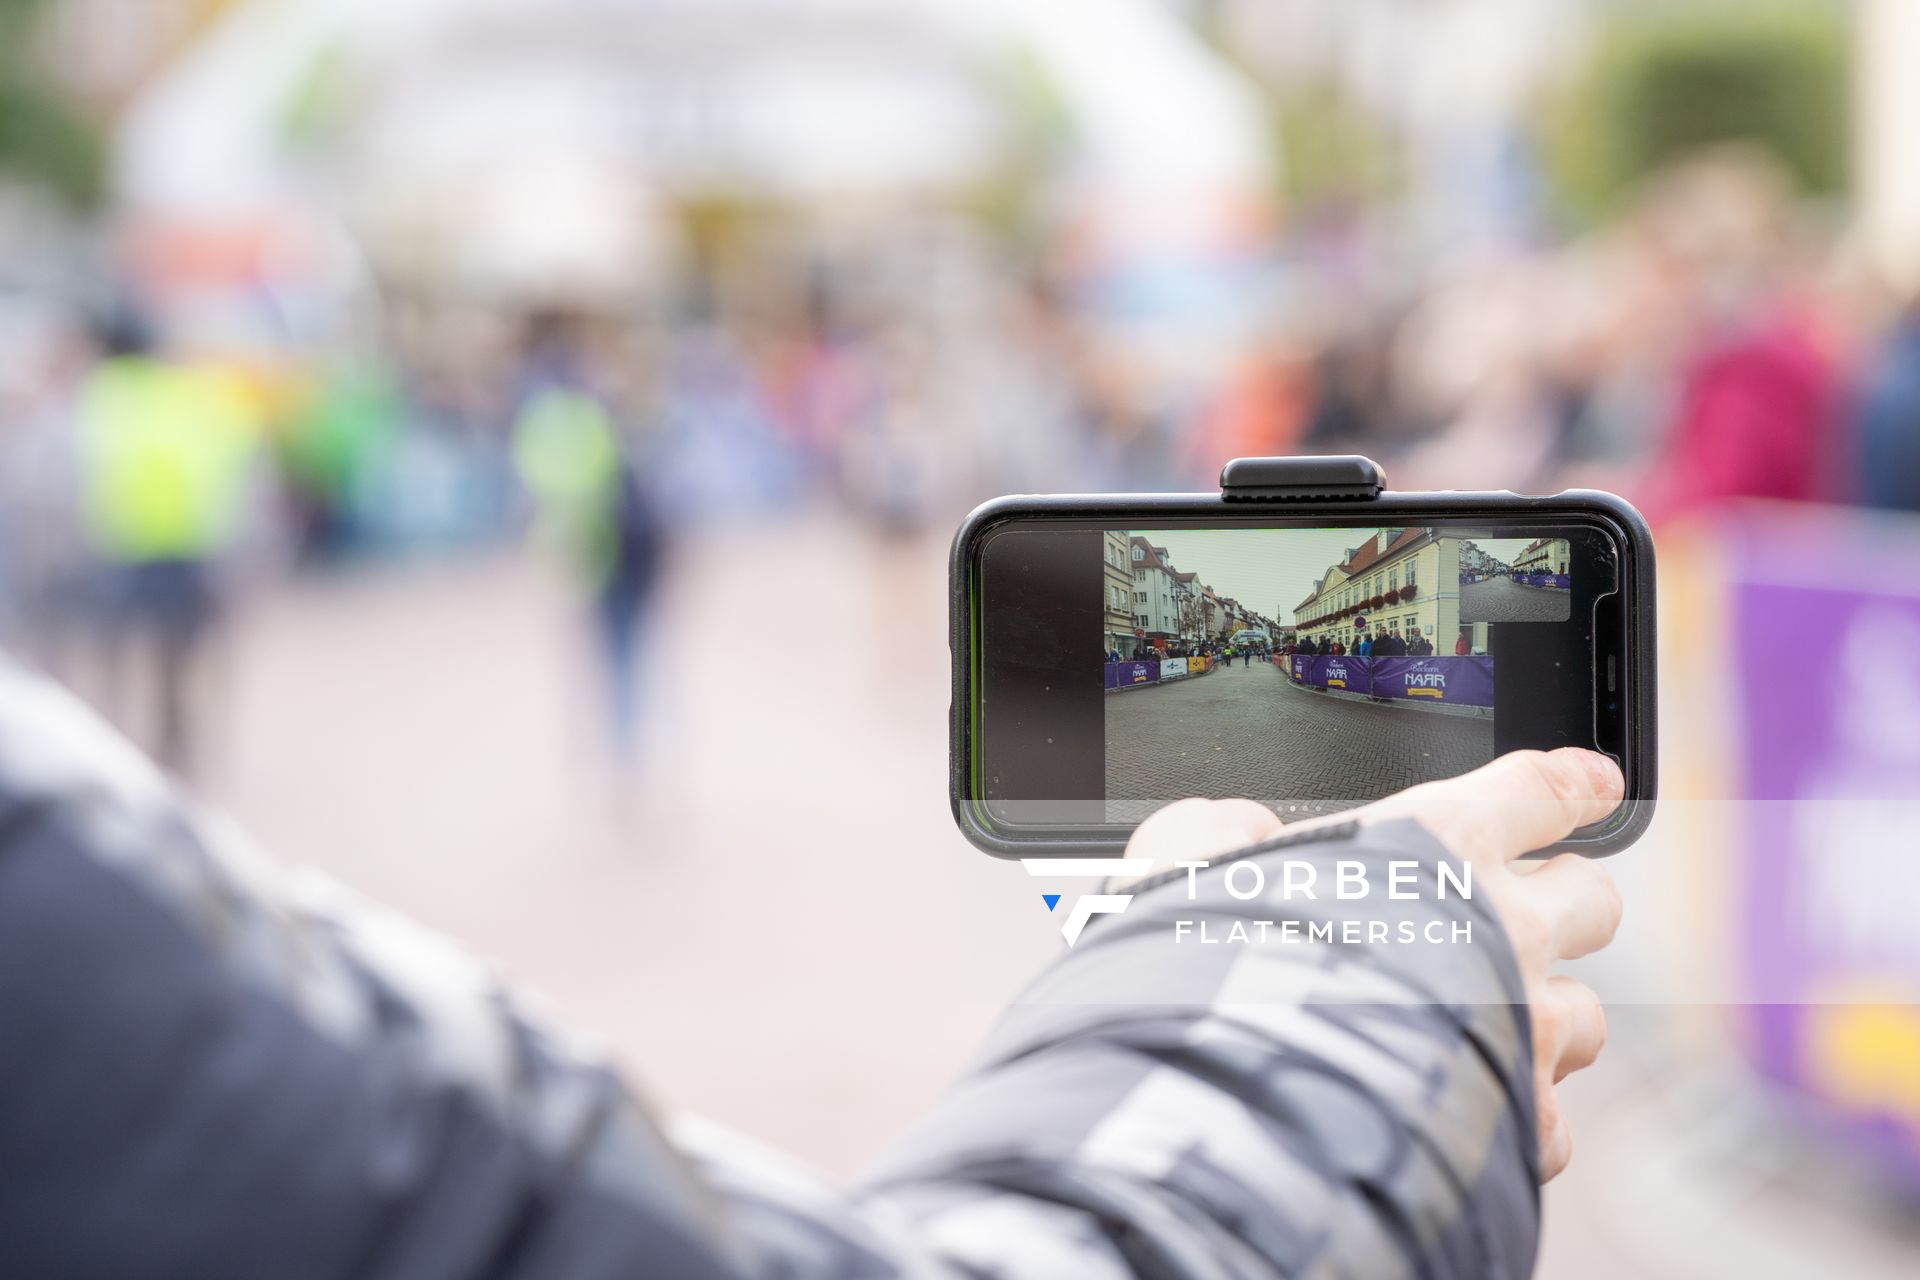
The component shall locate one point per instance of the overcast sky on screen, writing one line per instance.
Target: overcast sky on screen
(1271, 570)
(1267, 570)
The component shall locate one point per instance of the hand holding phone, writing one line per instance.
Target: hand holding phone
(1490, 819)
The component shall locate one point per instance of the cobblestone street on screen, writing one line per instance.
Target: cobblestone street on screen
(1248, 731)
(1499, 600)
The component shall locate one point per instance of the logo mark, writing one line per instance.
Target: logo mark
(1085, 908)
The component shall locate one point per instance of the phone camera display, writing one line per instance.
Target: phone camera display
(1312, 669)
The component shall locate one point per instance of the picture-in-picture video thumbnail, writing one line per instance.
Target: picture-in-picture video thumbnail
(1312, 669)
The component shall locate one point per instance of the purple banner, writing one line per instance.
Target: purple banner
(1826, 761)
(1464, 682)
(1349, 675)
(1126, 675)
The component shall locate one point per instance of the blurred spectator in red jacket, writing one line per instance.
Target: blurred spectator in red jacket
(1756, 411)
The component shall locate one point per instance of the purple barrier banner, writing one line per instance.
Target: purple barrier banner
(1347, 674)
(1826, 762)
(1125, 675)
(1464, 682)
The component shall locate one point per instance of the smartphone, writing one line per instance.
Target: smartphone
(1112, 654)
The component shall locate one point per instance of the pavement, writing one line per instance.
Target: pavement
(1249, 731)
(1504, 600)
(769, 919)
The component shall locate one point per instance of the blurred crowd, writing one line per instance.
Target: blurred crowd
(1713, 341)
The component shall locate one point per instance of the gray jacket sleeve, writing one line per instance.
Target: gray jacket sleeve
(209, 1067)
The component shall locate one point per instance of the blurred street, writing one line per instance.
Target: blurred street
(718, 921)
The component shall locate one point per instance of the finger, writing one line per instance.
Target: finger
(1523, 801)
(1556, 1140)
(1196, 829)
(1576, 899)
(1583, 1025)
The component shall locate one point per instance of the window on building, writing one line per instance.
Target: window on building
(1393, 580)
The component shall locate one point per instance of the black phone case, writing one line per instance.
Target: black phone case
(1339, 487)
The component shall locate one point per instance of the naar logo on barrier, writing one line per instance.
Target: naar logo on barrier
(1425, 682)
(1087, 906)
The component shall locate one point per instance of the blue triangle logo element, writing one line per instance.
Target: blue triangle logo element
(1051, 899)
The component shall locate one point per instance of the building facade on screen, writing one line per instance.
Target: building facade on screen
(1414, 574)
(1548, 555)
(1117, 590)
(1157, 592)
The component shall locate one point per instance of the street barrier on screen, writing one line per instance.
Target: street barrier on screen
(1463, 681)
(1129, 675)
(1459, 681)
(1325, 671)
(1152, 670)
(1556, 581)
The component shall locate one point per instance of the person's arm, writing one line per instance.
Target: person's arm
(1189, 1108)
(212, 1069)
(209, 1067)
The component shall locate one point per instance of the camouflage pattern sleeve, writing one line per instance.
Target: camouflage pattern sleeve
(211, 1067)
(1287, 1108)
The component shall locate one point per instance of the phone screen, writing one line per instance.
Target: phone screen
(1312, 667)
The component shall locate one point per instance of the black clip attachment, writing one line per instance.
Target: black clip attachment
(1347, 477)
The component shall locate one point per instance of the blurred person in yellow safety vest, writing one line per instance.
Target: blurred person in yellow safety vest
(166, 457)
(590, 501)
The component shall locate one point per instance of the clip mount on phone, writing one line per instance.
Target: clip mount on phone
(1344, 477)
